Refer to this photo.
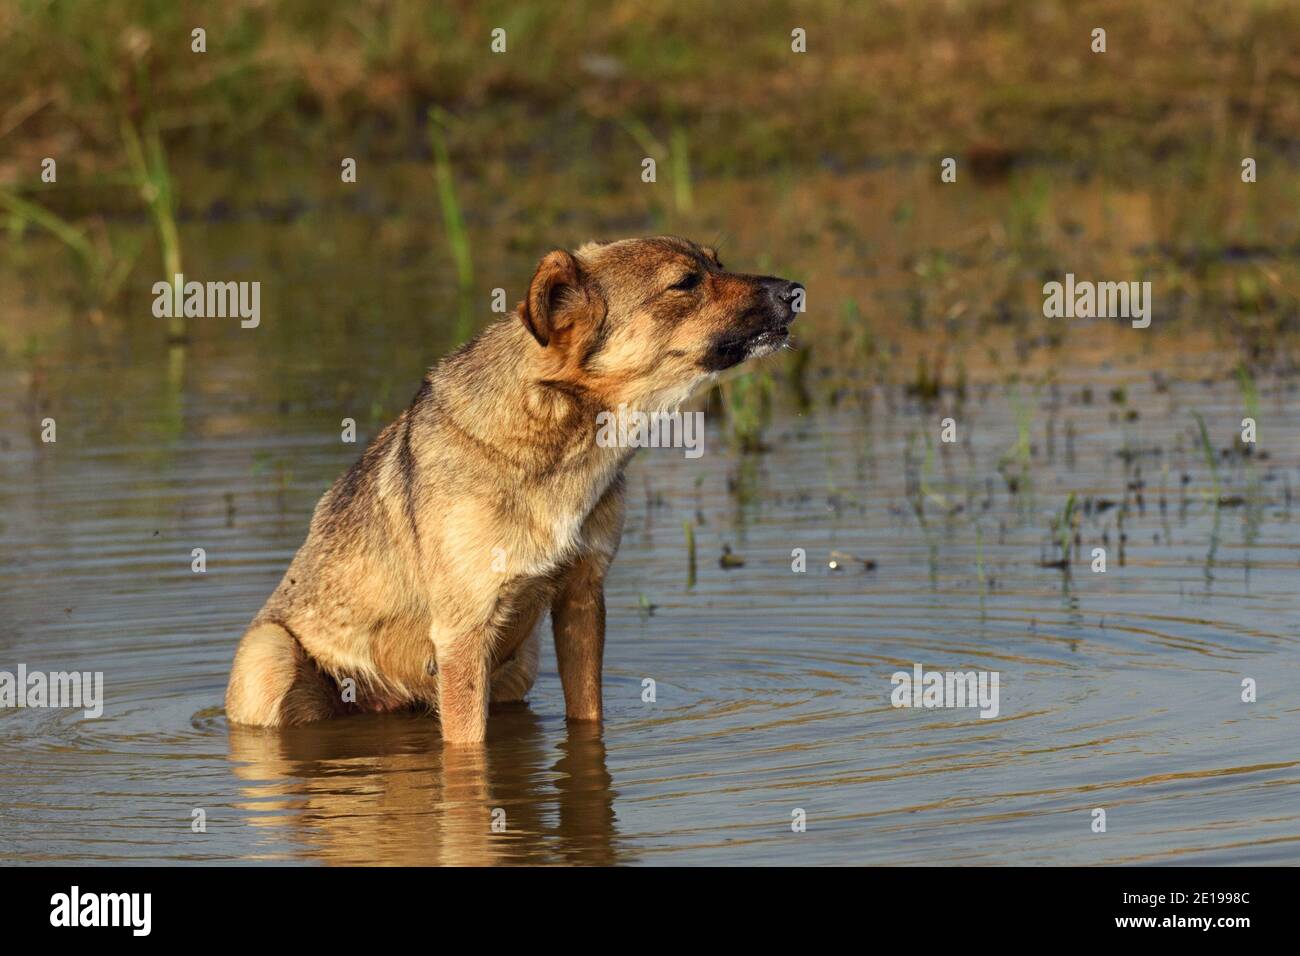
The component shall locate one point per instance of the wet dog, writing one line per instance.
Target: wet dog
(488, 501)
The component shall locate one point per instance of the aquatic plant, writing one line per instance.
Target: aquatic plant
(927, 385)
(152, 178)
(689, 528)
(1208, 451)
(1249, 391)
(1020, 454)
(452, 220)
(1061, 533)
(677, 152)
(103, 270)
(927, 472)
(747, 402)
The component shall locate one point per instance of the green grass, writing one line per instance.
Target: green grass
(153, 182)
(299, 67)
(1065, 527)
(747, 403)
(453, 222)
(1211, 460)
(1016, 464)
(103, 273)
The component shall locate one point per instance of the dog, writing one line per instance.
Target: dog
(488, 501)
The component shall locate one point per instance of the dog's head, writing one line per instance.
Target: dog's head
(646, 321)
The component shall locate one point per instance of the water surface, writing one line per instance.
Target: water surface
(1118, 690)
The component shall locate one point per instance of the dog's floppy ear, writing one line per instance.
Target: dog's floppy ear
(558, 296)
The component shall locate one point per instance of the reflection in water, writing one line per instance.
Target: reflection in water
(383, 790)
(586, 826)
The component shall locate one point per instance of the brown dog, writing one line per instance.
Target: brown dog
(489, 500)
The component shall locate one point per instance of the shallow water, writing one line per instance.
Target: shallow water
(1118, 690)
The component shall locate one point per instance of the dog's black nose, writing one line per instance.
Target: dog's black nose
(786, 293)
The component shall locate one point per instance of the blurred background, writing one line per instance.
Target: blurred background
(471, 164)
(924, 302)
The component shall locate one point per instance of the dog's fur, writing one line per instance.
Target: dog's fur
(488, 501)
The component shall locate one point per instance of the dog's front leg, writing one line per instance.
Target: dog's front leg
(463, 687)
(578, 619)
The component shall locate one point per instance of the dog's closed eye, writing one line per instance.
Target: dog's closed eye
(687, 282)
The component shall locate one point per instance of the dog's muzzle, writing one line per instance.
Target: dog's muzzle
(762, 329)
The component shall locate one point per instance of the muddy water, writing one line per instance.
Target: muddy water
(1118, 690)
